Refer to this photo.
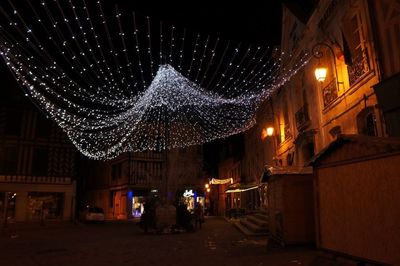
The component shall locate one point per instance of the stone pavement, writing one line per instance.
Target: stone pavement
(124, 243)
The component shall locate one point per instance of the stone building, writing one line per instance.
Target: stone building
(353, 45)
(37, 161)
(353, 42)
(310, 114)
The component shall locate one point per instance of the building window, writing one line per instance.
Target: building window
(116, 171)
(301, 116)
(290, 158)
(43, 127)
(354, 47)
(40, 159)
(10, 162)
(286, 126)
(366, 122)
(45, 205)
(8, 210)
(308, 151)
(111, 200)
(13, 123)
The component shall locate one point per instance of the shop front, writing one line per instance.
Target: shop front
(138, 198)
(190, 197)
(37, 201)
(45, 205)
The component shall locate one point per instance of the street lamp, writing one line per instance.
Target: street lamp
(321, 71)
(270, 131)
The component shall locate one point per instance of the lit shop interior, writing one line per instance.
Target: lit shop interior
(190, 196)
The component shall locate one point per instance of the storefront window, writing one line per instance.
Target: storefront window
(10, 208)
(190, 197)
(137, 206)
(45, 205)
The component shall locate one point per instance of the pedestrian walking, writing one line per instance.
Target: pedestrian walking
(198, 215)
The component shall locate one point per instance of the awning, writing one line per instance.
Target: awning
(216, 181)
(238, 187)
(284, 170)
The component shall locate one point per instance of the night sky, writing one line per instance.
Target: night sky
(257, 22)
(254, 23)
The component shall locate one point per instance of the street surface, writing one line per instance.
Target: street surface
(124, 243)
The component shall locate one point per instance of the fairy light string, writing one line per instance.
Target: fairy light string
(96, 77)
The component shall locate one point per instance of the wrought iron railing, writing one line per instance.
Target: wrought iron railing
(330, 93)
(288, 133)
(359, 67)
(34, 179)
(302, 117)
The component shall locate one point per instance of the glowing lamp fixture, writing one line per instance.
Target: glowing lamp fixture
(206, 185)
(270, 131)
(320, 73)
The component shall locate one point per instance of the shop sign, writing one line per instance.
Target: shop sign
(188, 193)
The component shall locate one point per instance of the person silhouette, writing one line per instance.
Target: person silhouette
(198, 215)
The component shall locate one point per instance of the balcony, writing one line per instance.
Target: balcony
(360, 67)
(35, 179)
(330, 93)
(302, 118)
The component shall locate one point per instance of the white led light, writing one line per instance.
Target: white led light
(111, 97)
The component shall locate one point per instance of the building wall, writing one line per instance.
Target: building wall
(37, 161)
(112, 184)
(185, 169)
(228, 168)
(387, 19)
(387, 34)
(358, 51)
(258, 146)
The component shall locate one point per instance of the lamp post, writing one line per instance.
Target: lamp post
(320, 71)
(206, 197)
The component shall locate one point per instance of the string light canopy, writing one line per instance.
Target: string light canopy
(117, 83)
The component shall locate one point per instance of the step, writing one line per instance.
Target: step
(256, 220)
(262, 215)
(248, 232)
(253, 227)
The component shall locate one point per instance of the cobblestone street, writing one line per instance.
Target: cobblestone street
(124, 243)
